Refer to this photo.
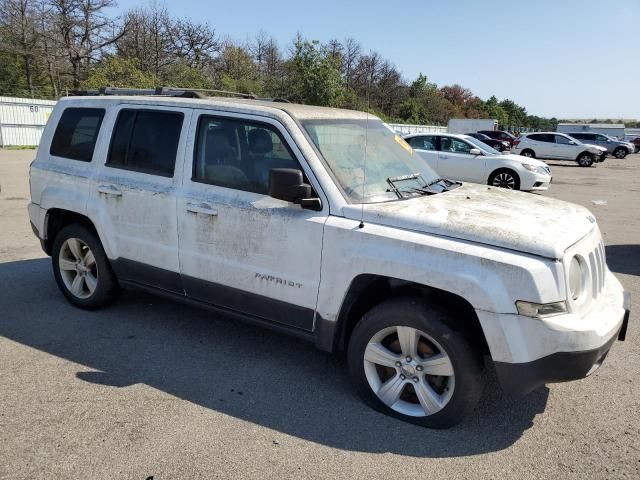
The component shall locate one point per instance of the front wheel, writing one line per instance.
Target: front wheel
(407, 362)
(528, 153)
(585, 159)
(505, 179)
(620, 152)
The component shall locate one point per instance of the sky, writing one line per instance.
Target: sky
(562, 58)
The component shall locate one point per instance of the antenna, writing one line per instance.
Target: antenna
(364, 160)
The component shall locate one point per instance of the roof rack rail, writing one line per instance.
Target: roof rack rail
(160, 91)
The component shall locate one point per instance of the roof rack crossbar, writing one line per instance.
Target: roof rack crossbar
(160, 91)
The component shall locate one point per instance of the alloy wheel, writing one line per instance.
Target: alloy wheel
(409, 371)
(78, 268)
(504, 180)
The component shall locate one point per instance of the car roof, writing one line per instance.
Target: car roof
(435, 134)
(302, 112)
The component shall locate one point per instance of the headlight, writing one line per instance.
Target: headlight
(540, 310)
(528, 166)
(577, 277)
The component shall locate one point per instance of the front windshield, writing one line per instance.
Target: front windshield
(482, 146)
(364, 176)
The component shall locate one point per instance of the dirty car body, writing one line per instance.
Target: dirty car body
(209, 218)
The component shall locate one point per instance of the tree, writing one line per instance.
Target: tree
(84, 31)
(313, 76)
(118, 72)
(19, 34)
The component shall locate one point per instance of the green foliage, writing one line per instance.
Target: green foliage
(314, 77)
(118, 72)
(183, 76)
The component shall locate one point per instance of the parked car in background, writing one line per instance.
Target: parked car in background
(617, 148)
(558, 146)
(499, 135)
(499, 145)
(635, 140)
(465, 158)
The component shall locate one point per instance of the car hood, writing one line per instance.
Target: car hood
(521, 159)
(488, 215)
(596, 147)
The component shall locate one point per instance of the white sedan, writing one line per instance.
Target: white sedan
(464, 158)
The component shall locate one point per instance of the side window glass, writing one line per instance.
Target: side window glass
(455, 145)
(146, 141)
(239, 154)
(562, 140)
(76, 133)
(423, 143)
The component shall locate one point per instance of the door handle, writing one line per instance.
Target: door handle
(109, 190)
(202, 208)
(444, 156)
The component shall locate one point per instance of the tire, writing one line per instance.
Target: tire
(528, 153)
(585, 159)
(447, 396)
(81, 268)
(505, 178)
(620, 153)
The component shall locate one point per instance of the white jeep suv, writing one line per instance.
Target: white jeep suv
(558, 146)
(324, 224)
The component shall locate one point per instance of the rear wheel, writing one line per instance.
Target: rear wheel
(528, 153)
(620, 152)
(505, 179)
(585, 159)
(81, 268)
(407, 362)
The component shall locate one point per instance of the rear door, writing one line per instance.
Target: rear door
(427, 148)
(133, 200)
(241, 249)
(543, 145)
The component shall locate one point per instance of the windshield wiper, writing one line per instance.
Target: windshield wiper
(402, 178)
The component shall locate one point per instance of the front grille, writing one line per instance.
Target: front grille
(598, 267)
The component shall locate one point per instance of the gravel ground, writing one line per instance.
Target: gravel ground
(152, 388)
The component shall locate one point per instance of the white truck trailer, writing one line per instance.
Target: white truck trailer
(471, 125)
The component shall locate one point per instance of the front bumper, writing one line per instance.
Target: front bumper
(522, 378)
(535, 181)
(530, 352)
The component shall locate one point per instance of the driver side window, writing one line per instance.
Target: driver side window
(454, 145)
(239, 154)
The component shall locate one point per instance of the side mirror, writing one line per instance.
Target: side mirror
(288, 184)
(475, 151)
(572, 143)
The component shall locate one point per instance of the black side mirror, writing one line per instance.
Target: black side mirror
(288, 184)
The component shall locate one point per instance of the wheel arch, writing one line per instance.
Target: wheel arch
(505, 169)
(368, 290)
(58, 218)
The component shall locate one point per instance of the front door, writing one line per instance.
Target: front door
(241, 249)
(457, 163)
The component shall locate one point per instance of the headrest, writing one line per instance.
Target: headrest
(260, 141)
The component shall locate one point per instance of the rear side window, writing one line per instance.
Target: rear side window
(146, 141)
(423, 143)
(76, 133)
(542, 137)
